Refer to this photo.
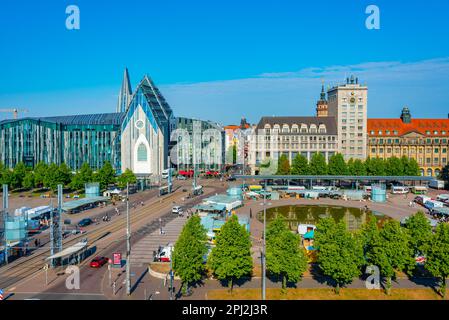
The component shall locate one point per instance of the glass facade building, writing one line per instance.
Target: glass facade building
(73, 140)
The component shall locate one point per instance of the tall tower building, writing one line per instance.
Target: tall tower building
(348, 103)
(321, 106)
(124, 98)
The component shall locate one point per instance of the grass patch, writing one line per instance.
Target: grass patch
(323, 294)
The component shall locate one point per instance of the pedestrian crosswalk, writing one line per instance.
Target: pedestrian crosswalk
(142, 251)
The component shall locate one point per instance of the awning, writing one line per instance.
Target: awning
(69, 251)
(70, 205)
(309, 235)
(210, 207)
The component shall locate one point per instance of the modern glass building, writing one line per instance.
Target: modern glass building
(93, 139)
(137, 136)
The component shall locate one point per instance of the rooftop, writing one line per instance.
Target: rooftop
(329, 122)
(396, 127)
(82, 119)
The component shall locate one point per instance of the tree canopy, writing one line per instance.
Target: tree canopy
(189, 252)
(231, 257)
(391, 251)
(318, 164)
(438, 255)
(337, 165)
(300, 165)
(283, 165)
(340, 255)
(284, 256)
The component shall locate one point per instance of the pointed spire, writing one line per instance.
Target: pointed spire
(323, 93)
(125, 93)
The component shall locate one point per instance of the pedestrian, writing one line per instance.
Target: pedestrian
(36, 243)
(141, 202)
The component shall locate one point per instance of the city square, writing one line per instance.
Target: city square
(188, 163)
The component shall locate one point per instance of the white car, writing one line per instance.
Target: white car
(177, 210)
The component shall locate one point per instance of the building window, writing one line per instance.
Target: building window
(142, 153)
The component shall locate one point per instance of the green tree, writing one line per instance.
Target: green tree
(51, 177)
(318, 164)
(391, 251)
(394, 167)
(444, 174)
(283, 165)
(340, 255)
(189, 252)
(300, 165)
(40, 170)
(63, 175)
(284, 256)
(356, 167)
(367, 234)
(337, 165)
(437, 262)
(83, 176)
(18, 175)
(411, 166)
(231, 257)
(420, 232)
(375, 166)
(6, 176)
(106, 175)
(126, 177)
(28, 181)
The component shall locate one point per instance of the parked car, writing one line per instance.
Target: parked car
(177, 210)
(98, 262)
(181, 177)
(85, 222)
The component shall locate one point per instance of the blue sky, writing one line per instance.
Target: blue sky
(221, 60)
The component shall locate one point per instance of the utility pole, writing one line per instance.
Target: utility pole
(5, 217)
(171, 279)
(59, 220)
(264, 243)
(128, 244)
(52, 234)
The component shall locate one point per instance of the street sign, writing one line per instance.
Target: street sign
(1, 295)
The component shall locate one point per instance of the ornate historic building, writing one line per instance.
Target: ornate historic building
(425, 140)
(275, 136)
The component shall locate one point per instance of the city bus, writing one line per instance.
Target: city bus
(399, 190)
(419, 190)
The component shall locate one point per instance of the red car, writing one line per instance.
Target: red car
(98, 262)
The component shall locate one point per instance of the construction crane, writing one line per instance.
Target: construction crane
(15, 112)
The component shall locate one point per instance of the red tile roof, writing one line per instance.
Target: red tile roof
(426, 127)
